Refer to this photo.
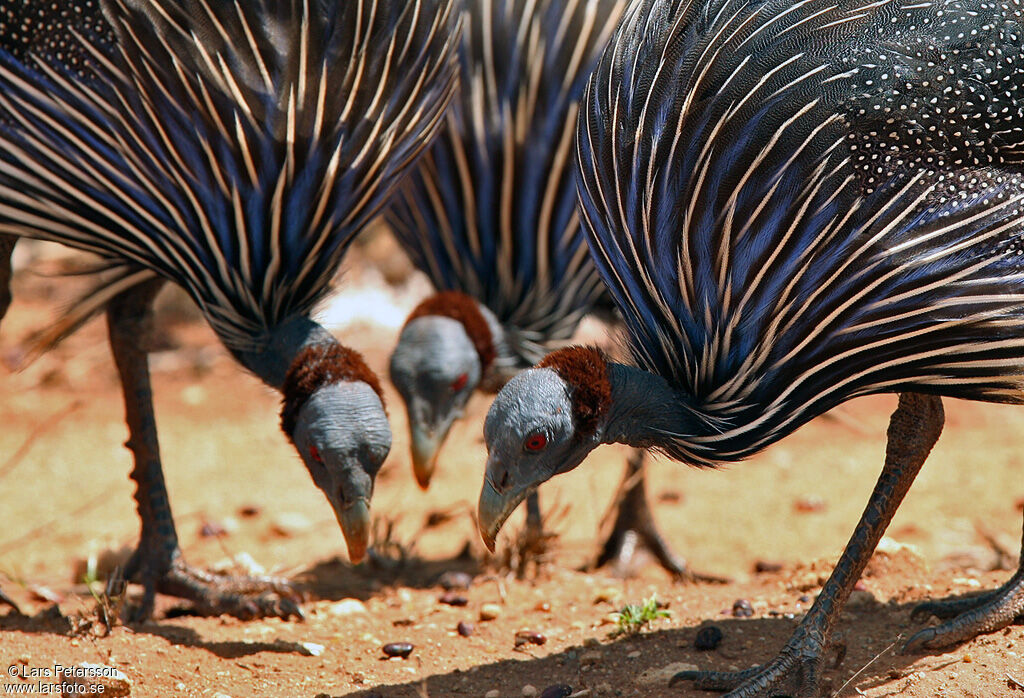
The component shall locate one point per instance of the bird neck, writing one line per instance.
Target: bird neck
(645, 411)
(272, 361)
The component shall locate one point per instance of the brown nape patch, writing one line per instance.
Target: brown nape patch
(317, 366)
(585, 370)
(461, 307)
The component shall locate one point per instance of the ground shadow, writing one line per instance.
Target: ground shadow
(866, 644)
(334, 578)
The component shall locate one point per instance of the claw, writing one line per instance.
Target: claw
(688, 675)
(919, 641)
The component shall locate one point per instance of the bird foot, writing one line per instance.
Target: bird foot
(635, 530)
(794, 672)
(969, 616)
(241, 596)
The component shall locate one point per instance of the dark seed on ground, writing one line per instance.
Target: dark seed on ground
(741, 608)
(451, 581)
(804, 599)
(465, 629)
(557, 691)
(249, 510)
(453, 599)
(398, 649)
(529, 637)
(708, 638)
(762, 566)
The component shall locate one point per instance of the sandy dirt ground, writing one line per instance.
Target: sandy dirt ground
(65, 498)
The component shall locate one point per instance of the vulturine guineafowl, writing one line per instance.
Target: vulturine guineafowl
(490, 216)
(793, 204)
(233, 148)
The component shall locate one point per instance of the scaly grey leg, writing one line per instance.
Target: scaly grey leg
(157, 563)
(913, 429)
(634, 528)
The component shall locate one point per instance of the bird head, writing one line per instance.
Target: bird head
(543, 422)
(441, 355)
(334, 414)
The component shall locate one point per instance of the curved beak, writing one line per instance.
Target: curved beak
(426, 442)
(355, 525)
(494, 508)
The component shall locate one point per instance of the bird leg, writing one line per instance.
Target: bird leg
(157, 563)
(971, 616)
(913, 429)
(634, 528)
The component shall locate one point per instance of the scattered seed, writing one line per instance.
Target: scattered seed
(465, 628)
(529, 637)
(708, 638)
(249, 510)
(398, 649)
(450, 598)
(741, 608)
(451, 581)
(560, 690)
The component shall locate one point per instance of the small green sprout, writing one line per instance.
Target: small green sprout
(635, 617)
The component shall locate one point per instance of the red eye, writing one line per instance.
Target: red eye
(315, 454)
(536, 442)
(460, 383)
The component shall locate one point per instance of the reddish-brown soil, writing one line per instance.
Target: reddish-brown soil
(65, 495)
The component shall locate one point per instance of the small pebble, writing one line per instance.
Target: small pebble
(450, 598)
(529, 691)
(211, 529)
(560, 690)
(493, 693)
(450, 581)
(313, 649)
(347, 607)
(608, 595)
(708, 638)
(635, 654)
(490, 611)
(741, 608)
(529, 637)
(804, 598)
(543, 606)
(809, 505)
(398, 649)
(465, 628)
